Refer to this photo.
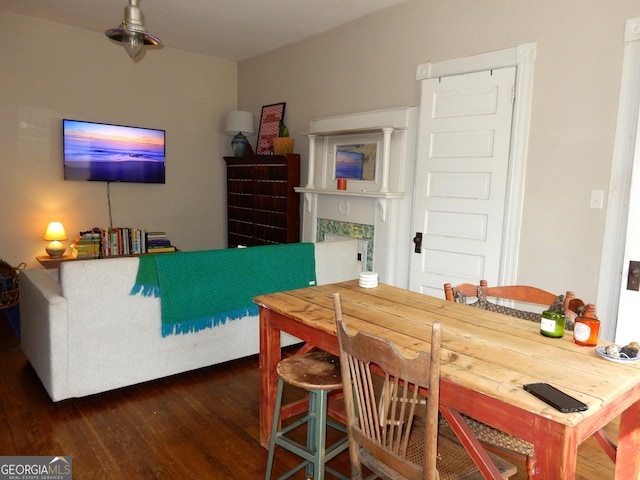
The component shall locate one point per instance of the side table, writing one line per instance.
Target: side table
(49, 263)
(53, 263)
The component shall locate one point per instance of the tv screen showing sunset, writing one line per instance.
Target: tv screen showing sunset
(113, 153)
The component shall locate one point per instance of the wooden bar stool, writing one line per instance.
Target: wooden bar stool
(318, 372)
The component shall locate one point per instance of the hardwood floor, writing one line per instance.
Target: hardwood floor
(198, 425)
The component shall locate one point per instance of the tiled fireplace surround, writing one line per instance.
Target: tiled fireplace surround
(377, 211)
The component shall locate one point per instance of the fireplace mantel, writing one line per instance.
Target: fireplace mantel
(376, 210)
(354, 193)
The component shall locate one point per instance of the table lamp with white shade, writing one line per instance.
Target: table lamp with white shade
(240, 124)
(55, 232)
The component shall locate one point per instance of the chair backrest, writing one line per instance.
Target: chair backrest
(522, 293)
(519, 293)
(381, 409)
(464, 289)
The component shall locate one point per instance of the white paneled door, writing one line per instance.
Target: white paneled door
(461, 179)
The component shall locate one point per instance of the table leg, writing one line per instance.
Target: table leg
(556, 452)
(270, 356)
(628, 454)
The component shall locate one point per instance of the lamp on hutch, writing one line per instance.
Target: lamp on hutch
(240, 124)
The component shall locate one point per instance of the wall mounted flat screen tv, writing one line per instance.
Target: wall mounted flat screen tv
(112, 153)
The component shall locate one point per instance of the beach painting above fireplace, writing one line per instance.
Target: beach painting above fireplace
(356, 161)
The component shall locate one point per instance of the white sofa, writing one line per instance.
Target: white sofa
(87, 334)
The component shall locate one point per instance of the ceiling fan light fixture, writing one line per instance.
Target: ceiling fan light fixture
(132, 32)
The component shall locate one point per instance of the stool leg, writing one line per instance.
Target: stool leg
(314, 454)
(274, 430)
(320, 432)
(312, 445)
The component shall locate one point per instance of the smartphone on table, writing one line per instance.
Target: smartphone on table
(556, 398)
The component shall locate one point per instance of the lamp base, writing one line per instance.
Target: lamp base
(55, 249)
(238, 144)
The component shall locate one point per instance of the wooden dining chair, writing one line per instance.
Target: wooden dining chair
(529, 300)
(488, 298)
(392, 428)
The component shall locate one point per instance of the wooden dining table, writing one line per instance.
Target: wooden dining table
(487, 357)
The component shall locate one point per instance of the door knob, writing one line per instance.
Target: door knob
(417, 240)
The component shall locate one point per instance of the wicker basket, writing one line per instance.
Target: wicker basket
(9, 284)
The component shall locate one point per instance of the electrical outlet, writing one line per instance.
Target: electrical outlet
(597, 199)
(363, 246)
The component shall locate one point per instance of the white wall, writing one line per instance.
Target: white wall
(371, 64)
(50, 71)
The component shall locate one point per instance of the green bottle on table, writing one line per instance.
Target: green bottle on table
(552, 320)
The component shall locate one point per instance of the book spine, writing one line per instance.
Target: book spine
(136, 241)
(162, 249)
(106, 244)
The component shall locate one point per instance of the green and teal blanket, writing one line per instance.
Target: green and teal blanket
(204, 289)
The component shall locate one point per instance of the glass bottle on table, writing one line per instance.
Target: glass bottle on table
(587, 327)
(552, 320)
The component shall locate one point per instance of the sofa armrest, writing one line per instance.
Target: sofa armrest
(44, 325)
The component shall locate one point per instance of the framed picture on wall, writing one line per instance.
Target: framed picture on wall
(269, 127)
(356, 161)
(356, 158)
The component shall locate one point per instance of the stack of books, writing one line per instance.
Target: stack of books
(158, 242)
(120, 241)
(123, 241)
(87, 245)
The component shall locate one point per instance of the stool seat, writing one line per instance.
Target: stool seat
(317, 370)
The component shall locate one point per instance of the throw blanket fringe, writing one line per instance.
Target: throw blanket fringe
(207, 322)
(146, 290)
(204, 289)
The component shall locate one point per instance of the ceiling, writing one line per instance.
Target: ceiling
(229, 29)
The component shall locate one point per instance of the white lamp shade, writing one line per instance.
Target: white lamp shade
(55, 231)
(239, 122)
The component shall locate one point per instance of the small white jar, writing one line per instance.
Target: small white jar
(368, 279)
